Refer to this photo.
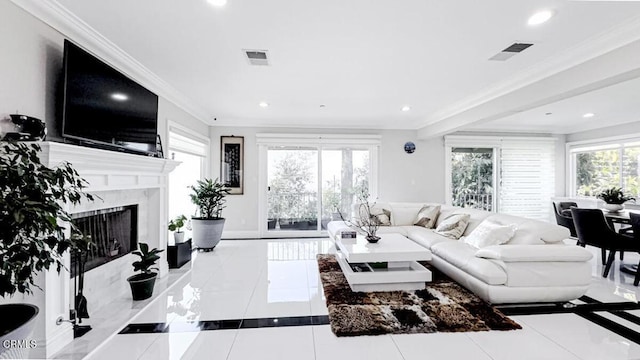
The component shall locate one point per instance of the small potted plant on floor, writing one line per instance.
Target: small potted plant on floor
(614, 199)
(34, 227)
(209, 196)
(143, 282)
(175, 225)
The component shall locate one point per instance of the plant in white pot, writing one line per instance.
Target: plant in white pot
(614, 199)
(176, 225)
(143, 282)
(34, 225)
(209, 196)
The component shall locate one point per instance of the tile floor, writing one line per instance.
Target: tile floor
(278, 278)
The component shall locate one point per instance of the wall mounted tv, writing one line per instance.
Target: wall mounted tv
(103, 107)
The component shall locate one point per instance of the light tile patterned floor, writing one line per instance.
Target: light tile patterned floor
(272, 278)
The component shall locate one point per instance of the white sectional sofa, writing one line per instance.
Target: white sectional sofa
(535, 265)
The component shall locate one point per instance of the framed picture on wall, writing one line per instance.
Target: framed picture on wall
(232, 163)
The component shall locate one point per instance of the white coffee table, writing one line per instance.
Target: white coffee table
(403, 272)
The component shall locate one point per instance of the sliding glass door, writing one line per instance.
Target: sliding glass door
(292, 193)
(309, 186)
(345, 174)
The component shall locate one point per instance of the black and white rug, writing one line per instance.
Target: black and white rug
(444, 306)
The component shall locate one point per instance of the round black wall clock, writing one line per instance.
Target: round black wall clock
(409, 147)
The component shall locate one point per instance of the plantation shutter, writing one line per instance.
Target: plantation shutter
(182, 143)
(527, 174)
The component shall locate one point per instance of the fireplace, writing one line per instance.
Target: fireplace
(113, 231)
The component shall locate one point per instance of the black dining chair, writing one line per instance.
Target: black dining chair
(562, 211)
(592, 229)
(634, 220)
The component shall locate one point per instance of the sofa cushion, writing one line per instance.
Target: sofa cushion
(546, 274)
(490, 233)
(423, 236)
(427, 216)
(463, 257)
(403, 214)
(453, 226)
(526, 253)
(525, 234)
(392, 230)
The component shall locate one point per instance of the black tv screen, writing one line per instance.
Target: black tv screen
(103, 106)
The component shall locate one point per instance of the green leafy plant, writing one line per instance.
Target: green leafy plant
(148, 259)
(614, 195)
(209, 196)
(177, 223)
(33, 221)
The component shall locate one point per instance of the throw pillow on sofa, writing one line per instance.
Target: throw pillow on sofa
(382, 216)
(490, 233)
(427, 216)
(453, 226)
(379, 215)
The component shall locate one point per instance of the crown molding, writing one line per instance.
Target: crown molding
(607, 41)
(54, 14)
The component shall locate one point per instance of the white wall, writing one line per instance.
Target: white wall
(617, 130)
(30, 77)
(403, 177)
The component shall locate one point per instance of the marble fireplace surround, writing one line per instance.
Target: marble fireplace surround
(118, 179)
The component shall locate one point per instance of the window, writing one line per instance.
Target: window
(598, 166)
(511, 175)
(472, 177)
(192, 152)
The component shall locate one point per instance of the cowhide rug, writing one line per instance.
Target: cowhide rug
(444, 306)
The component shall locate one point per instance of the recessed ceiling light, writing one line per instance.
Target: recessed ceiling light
(549, 113)
(264, 104)
(588, 115)
(323, 105)
(217, 2)
(540, 17)
(119, 97)
(406, 108)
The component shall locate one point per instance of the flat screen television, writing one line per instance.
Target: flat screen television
(103, 107)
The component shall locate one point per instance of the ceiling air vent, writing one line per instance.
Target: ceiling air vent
(257, 57)
(510, 51)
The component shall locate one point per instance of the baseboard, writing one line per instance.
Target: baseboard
(240, 234)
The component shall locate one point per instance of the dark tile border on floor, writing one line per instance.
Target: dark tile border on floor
(208, 325)
(587, 311)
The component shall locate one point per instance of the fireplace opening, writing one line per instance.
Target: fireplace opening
(113, 231)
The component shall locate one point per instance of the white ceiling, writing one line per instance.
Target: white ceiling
(365, 59)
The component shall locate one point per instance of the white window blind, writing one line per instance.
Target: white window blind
(527, 174)
(179, 142)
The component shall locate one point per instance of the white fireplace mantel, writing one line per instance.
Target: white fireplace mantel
(109, 170)
(117, 179)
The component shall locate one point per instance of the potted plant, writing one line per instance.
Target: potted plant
(614, 199)
(366, 223)
(33, 227)
(209, 196)
(142, 283)
(175, 225)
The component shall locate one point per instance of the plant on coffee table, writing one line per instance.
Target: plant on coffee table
(366, 222)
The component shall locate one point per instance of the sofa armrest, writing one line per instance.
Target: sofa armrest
(535, 253)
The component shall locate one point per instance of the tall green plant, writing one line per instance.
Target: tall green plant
(209, 196)
(33, 220)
